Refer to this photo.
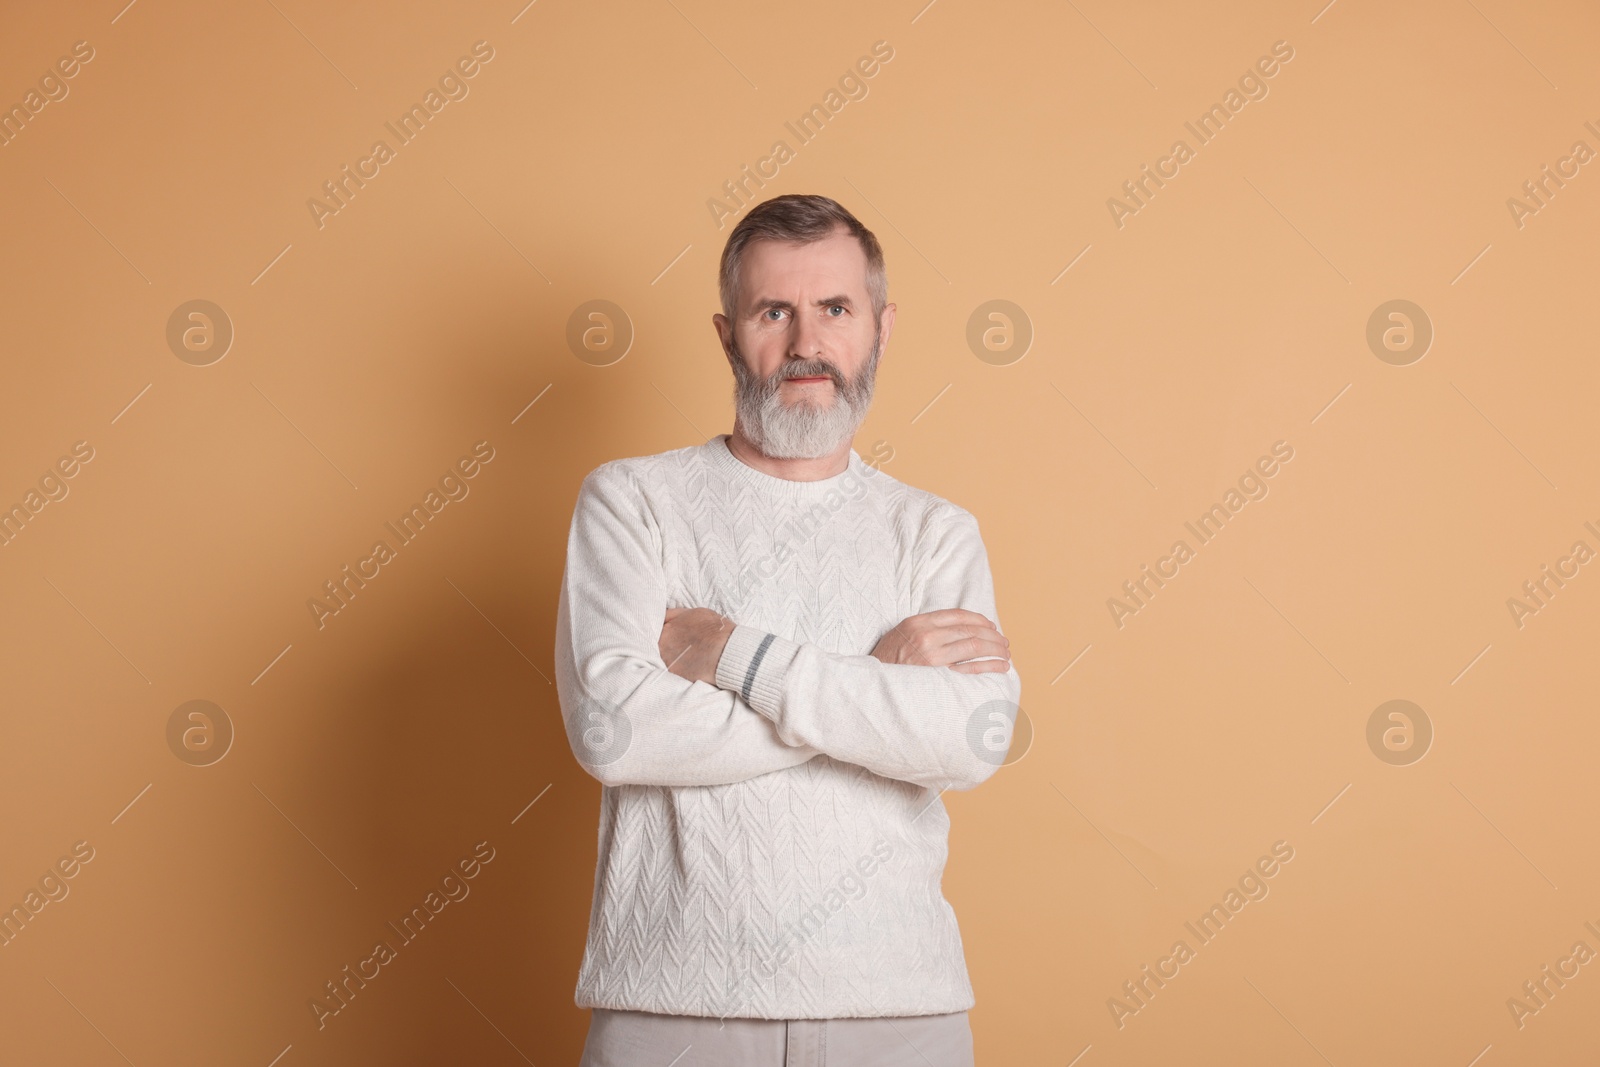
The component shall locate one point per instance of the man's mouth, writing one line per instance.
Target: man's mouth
(813, 378)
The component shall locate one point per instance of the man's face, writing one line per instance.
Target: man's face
(803, 344)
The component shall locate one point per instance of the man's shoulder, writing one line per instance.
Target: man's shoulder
(644, 470)
(922, 508)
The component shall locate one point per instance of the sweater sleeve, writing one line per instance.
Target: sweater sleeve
(629, 720)
(932, 726)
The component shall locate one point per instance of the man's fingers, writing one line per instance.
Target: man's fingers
(979, 645)
(964, 642)
(956, 617)
(982, 666)
(964, 649)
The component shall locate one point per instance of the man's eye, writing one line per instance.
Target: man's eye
(841, 307)
(774, 311)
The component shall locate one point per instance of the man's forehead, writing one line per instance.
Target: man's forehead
(773, 264)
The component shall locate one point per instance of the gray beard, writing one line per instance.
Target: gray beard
(806, 429)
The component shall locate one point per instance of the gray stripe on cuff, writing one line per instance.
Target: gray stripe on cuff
(755, 662)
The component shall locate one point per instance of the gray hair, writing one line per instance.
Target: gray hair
(801, 218)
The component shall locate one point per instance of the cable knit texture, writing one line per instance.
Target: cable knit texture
(771, 846)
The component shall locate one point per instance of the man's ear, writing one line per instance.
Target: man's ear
(885, 330)
(720, 323)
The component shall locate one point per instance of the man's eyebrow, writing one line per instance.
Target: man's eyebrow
(827, 301)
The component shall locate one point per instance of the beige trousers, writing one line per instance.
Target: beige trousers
(646, 1039)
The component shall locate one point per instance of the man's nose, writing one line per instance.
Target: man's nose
(806, 340)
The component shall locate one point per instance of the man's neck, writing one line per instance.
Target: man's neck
(795, 470)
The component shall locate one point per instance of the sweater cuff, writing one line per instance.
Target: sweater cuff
(753, 665)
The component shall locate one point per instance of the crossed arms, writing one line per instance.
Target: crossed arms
(775, 703)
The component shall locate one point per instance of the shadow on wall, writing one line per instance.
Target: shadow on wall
(443, 732)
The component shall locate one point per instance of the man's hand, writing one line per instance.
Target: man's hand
(944, 639)
(691, 642)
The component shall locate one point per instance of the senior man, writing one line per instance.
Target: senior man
(775, 658)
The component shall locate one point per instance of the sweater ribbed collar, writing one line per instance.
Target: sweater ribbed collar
(722, 459)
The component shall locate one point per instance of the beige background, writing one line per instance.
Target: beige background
(431, 311)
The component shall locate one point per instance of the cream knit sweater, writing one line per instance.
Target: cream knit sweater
(772, 846)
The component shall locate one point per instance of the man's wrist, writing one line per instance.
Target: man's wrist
(753, 665)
